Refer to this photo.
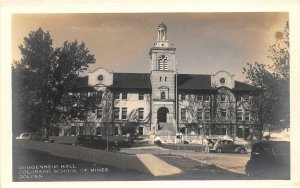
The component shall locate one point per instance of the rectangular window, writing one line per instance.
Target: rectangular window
(182, 96)
(206, 98)
(238, 98)
(141, 113)
(141, 96)
(183, 114)
(117, 113)
(239, 115)
(199, 114)
(247, 115)
(124, 96)
(99, 112)
(207, 114)
(223, 113)
(117, 96)
(124, 113)
(223, 97)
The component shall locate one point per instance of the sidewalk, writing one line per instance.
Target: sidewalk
(156, 166)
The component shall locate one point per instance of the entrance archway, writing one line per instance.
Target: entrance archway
(162, 115)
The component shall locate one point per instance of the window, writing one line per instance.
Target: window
(182, 96)
(141, 113)
(141, 96)
(117, 113)
(163, 95)
(206, 98)
(117, 96)
(183, 114)
(222, 80)
(124, 96)
(199, 114)
(238, 98)
(165, 79)
(207, 114)
(163, 62)
(100, 77)
(239, 115)
(99, 112)
(199, 97)
(223, 113)
(160, 79)
(223, 97)
(247, 115)
(124, 113)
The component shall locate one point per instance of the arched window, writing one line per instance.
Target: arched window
(163, 62)
(163, 95)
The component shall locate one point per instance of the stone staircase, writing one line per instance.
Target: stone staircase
(166, 129)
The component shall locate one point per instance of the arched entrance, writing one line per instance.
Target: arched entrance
(162, 115)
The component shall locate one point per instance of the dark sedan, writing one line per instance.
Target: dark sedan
(269, 160)
(227, 146)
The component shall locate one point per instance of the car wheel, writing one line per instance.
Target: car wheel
(219, 150)
(242, 151)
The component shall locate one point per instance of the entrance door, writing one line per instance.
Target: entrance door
(162, 115)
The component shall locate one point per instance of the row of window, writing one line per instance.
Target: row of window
(206, 98)
(124, 113)
(206, 116)
(123, 96)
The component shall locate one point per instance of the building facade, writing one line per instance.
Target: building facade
(165, 103)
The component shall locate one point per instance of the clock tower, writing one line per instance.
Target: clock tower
(162, 64)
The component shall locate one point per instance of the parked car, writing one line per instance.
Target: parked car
(227, 146)
(28, 136)
(269, 160)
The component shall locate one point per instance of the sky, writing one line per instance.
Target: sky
(205, 42)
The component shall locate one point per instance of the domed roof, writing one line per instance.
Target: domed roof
(162, 25)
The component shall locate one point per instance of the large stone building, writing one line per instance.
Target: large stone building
(164, 102)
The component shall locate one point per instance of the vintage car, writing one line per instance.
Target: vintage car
(229, 146)
(269, 160)
(28, 136)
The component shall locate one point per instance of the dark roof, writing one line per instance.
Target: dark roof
(81, 84)
(194, 81)
(131, 81)
(142, 81)
(240, 86)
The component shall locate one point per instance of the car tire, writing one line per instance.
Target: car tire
(219, 150)
(243, 151)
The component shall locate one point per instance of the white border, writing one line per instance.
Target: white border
(123, 6)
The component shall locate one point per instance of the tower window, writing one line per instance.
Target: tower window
(165, 79)
(163, 95)
(163, 62)
(160, 79)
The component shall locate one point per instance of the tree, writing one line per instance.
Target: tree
(43, 76)
(274, 81)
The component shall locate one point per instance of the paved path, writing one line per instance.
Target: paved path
(228, 161)
(157, 166)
